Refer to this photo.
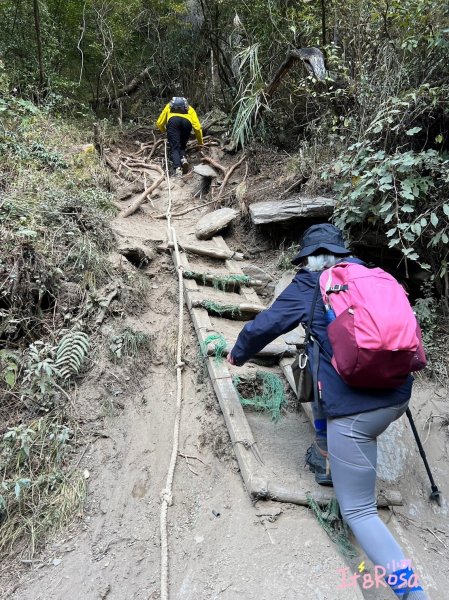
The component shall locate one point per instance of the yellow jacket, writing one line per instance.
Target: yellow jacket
(190, 116)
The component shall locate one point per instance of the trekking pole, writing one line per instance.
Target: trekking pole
(435, 494)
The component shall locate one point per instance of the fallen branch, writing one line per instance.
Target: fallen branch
(155, 147)
(229, 309)
(229, 172)
(294, 185)
(109, 298)
(214, 163)
(137, 164)
(193, 457)
(108, 160)
(313, 60)
(221, 281)
(141, 199)
(126, 91)
(187, 462)
(217, 253)
(184, 212)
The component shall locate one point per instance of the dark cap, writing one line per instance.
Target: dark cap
(322, 236)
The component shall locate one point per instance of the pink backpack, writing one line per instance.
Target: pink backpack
(375, 337)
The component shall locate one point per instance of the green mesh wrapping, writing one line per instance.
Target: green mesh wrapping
(215, 308)
(330, 520)
(270, 399)
(219, 349)
(219, 282)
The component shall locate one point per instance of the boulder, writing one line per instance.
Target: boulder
(205, 170)
(213, 222)
(294, 207)
(256, 272)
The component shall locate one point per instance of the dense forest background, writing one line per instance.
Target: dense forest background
(375, 130)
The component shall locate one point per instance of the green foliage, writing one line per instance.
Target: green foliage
(55, 235)
(9, 367)
(130, 343)
(71, 352)
(406, 192)
(286, 257)
(37, 495)
(40, 373)
(251, 95)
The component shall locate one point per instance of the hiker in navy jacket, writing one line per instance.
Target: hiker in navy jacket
(347, 419)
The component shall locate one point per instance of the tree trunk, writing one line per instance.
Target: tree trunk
(126, 90)
(323, 22)
(37, 26)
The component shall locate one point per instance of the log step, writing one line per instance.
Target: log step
(260, 481)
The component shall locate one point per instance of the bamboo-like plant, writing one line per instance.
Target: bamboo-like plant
(251, 95)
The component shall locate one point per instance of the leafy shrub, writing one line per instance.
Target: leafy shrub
(37, 495)
(405, 192)
(130, 343)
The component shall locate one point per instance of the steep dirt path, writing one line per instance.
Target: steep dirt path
(219, 547)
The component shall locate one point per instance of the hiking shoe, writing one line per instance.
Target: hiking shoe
(178, 172)
(184, 165)
(318, 463)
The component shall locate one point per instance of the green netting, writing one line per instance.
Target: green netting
(330, 520)
(216, 308)
(219, 282)
(219, 348)
(264, 392)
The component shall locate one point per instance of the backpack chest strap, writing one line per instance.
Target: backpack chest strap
(339, 287)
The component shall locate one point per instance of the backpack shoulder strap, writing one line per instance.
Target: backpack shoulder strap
(308, 327)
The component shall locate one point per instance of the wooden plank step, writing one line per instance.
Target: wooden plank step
(249, 294)
(223, 282)
(260, 482)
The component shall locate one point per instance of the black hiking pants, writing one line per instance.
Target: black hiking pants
(178, 132)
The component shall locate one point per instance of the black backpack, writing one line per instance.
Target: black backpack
(178, 104)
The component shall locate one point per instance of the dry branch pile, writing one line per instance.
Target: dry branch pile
(141, 171)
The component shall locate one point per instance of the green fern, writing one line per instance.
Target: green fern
(71, 352)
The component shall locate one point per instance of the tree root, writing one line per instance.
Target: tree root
(227, 171)
(143, 196)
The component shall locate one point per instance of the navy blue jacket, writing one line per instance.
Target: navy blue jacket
(293, 307)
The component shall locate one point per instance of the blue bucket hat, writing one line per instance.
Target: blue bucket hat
(322, 236)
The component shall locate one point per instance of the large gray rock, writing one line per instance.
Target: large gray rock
(213, 222)
(294, 207)
(205, 170)
(256, 272)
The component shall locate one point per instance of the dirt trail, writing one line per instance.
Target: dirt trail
(220, 549)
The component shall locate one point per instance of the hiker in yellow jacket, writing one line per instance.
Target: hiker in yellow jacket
(177, 119)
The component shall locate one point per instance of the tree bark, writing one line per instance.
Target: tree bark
(323, 22)
(141, 199)
(37, 26)
(313, 59)
(127, 90)
(295, 207)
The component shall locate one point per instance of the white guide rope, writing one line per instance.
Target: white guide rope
(166, 494)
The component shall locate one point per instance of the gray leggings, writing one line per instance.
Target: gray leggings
(352, 445)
